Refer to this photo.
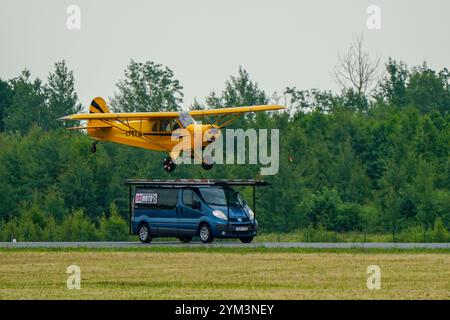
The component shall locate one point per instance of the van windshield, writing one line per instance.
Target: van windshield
(218, 196)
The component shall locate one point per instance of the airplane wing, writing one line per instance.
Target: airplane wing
(223, 111)
(169, 114)
(225, 116)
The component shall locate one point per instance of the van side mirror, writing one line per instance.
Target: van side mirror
(196, 204)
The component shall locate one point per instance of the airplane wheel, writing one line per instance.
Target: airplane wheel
(94, 147)
(169, 165)
(208, 163)
(207, 166)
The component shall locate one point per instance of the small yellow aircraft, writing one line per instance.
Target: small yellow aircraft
(153, 130)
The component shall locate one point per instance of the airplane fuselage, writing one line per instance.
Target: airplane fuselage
(159, 135)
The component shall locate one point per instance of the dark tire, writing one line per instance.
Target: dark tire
(168, 164)
(207, 166)
(205, 234)
(208, 163)
(94, 148)
(185, 239)
(144, 233)
(246, 239)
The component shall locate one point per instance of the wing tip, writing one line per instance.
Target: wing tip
(272, 107)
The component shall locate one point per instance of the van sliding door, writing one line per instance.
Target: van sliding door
(189, 217)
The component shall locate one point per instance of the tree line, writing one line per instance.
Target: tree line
(371, 161)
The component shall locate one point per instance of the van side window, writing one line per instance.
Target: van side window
(188, 197)
(156, 199)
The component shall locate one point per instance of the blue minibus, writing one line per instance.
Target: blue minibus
(185, 209)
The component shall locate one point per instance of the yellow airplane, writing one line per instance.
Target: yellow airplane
(154, 130)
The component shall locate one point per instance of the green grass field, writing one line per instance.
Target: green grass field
(224, 274)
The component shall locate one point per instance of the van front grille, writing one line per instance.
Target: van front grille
(236, 220)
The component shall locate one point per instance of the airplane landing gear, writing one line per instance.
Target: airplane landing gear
(169, 165)
(94, 147)
(207, 163)
(207, 166)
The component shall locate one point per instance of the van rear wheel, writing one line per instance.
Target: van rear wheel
(246, 239)
(144, 233)
(205, 234)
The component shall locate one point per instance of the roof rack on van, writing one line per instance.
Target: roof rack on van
(197, 182)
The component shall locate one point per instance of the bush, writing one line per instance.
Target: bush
(326, 209)
(440, 233)
(9, 230)
(413, 234)
(319, 235)
(77, 227)
(115, 228)
(51, 230)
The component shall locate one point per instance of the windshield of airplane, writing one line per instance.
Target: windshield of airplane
(218, 196)
(185, 119)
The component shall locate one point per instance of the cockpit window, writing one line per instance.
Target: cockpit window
(185, 119)
(165, 125)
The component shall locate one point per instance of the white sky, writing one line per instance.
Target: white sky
(280, 42)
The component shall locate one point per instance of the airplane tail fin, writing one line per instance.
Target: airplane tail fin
(98, 105)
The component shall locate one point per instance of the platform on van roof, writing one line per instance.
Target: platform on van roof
(196, 182)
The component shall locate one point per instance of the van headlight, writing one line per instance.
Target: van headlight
(219, 214)
(251, 214)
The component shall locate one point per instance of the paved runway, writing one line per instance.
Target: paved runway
(367, 245)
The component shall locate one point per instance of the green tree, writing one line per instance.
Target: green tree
(310, 100)
(440, 233)
(240, 90)
(6, 93)
(428, 90)
(113, 228)
(325, 208)
(61, 95)
(54, 204)
(77, 227)
(147, 87)
(393, 87)
(196, 105)
(27, 107)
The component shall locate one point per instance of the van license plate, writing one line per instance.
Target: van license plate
(241, 228)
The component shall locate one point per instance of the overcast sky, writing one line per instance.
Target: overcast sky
(280, 42)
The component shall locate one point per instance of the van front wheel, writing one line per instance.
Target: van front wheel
(246, 239)
(204, 232)
(144, 233)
